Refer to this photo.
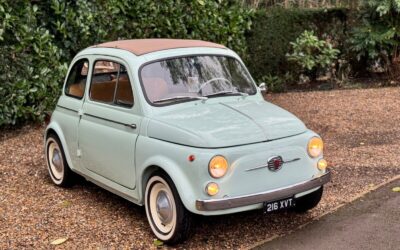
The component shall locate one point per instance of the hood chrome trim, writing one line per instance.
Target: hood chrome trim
(266, 166)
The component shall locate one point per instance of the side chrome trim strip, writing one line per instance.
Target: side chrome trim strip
(272, 195)
(133, 126)
(73, 110)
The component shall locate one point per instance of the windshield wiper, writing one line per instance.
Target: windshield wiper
(227, 92)
(180, 98)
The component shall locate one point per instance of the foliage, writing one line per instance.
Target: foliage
(378, 36)
(30, 69)
(277, 83)
(301, 3)
(78, 24)
(274, 29)
(39, 38)
(311, 53)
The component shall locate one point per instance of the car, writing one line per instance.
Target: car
(180, 127)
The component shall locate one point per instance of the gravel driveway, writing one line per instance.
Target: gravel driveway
(362, 137)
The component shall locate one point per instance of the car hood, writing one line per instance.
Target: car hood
(225, 124)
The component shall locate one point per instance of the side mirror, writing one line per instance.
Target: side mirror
(263, 88)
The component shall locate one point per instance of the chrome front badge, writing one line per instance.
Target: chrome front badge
(275, 163)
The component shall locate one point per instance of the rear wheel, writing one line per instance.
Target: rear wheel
(168, 218)
(59, 171)
(308, 201)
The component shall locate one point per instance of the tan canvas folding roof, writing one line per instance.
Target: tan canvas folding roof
(144, 46)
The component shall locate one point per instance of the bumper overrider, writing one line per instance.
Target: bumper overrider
(271, 195)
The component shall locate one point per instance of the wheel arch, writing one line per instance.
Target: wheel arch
(172, 170)
(54, 128)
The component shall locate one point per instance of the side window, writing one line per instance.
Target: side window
(76, 80)
(110, 84)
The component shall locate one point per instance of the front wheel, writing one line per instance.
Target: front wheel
(168, 218)
(59, 171)
(308, 201)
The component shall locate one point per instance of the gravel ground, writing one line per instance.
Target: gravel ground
(361, 133)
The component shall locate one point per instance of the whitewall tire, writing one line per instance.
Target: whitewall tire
(168, 218)
(58, 168)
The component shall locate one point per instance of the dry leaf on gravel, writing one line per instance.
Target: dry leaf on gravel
(59, 241)
(158, 243)
(396, 189)
(66, 203)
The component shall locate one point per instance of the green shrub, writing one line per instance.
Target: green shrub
(377, 38)
(312, 54)
(38, 39)
(79, 24)
(268, 42)
(30, 68)
(277, 83)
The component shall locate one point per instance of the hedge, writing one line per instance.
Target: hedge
(273, 30)
(39, 38)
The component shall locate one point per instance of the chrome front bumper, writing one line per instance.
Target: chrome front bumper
(272, 195)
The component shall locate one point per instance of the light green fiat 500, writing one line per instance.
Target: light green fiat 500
(180, 127)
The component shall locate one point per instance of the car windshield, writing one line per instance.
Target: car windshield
(195, 78)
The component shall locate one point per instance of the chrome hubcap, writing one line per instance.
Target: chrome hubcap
(56, 160)
(164, 208)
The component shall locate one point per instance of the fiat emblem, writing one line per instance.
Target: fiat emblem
(275, 163)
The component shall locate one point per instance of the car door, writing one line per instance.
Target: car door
(109, 125)
(70, 104)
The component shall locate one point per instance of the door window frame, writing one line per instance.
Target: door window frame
(113, 104)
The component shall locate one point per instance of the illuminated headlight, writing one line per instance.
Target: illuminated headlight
(322, 164)
(218, 166)
(212, 189)
(315, 147)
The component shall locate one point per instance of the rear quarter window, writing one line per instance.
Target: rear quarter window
(76, 81)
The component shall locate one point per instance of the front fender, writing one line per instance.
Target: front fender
(56, 128)
(153, 154)
(180, 179)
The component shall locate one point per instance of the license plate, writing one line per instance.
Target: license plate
(279, 205)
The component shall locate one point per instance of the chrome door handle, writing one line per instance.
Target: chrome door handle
(132, 126)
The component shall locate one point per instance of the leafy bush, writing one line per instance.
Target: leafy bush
(30, 68)
(377, 38)
(268, 42)
(39, 38)
(277, 83)
(312, 54)
(79, 24)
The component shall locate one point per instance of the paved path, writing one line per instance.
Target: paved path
(372, 222)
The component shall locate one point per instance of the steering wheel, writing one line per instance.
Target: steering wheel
(213, 80)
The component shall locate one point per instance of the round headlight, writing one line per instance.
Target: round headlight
(322, 164)
(315, 147)
(212, 188)
(218, 166)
